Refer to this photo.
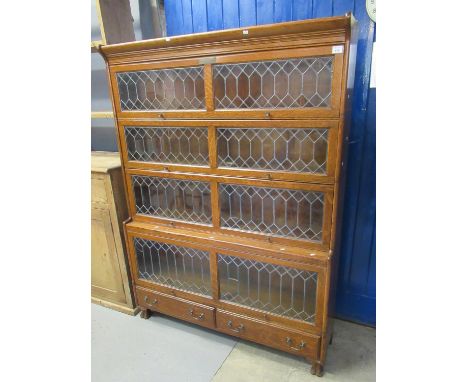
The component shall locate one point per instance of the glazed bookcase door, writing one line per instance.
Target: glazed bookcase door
(292, 83)
(278, 150)
(162, 264)
(159, 87)
(265, 287)
(274, 211)
(277, 290)
(167, 145)
(280, 212)
(295, 83)
(303, 150)
(184, 200)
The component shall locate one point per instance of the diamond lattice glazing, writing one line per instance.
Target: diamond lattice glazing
(165, 89)
(293, 83)
(172, 265)
(301, 150)
(279, 212)
(180, 145)
(177, 199)
(272, 288)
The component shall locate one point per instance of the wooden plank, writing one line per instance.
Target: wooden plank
(302, 9)
(323, 8)
(265, 12)
(283, 11)
(173, 9)
(159, 20)
(102, 114)
(230, 14)
(215, 14)
(187, 18)
(117, 21)
(247, 13)
(341, 7)
(101, 26)
(199, 16)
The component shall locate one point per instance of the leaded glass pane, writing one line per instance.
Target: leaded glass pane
(300, 150)
(292, 83)
(275, 211)
(272, 288)
(176, 199)
(179, 145)
(172, 265)
(164, 89)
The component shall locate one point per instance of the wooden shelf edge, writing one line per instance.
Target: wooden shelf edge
(102, 114)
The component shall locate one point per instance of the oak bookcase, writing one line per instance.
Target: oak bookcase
(232, 149)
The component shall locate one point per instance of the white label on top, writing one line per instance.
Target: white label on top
(336, 49)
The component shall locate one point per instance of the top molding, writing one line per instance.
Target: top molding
(328, 24)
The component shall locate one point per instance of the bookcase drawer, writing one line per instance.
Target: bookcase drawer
(174, 306)
(302, 344)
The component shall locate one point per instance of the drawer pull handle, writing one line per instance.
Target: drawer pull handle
(299, 348)
(150, 304)
(200, 317)
(239, 329)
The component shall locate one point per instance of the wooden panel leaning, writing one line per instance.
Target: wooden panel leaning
(110, 281)
(231, 145)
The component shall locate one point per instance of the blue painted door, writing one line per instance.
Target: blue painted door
(356, 285)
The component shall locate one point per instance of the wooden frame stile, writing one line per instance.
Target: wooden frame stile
(338, 199)
(320, 37)
(120, 143)
(209, 94)
(214, 274)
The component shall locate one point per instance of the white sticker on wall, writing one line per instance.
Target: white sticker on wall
(336, 49)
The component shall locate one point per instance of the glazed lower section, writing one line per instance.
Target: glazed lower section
(260, 294)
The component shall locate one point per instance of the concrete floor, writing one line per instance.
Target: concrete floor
(162, 349)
